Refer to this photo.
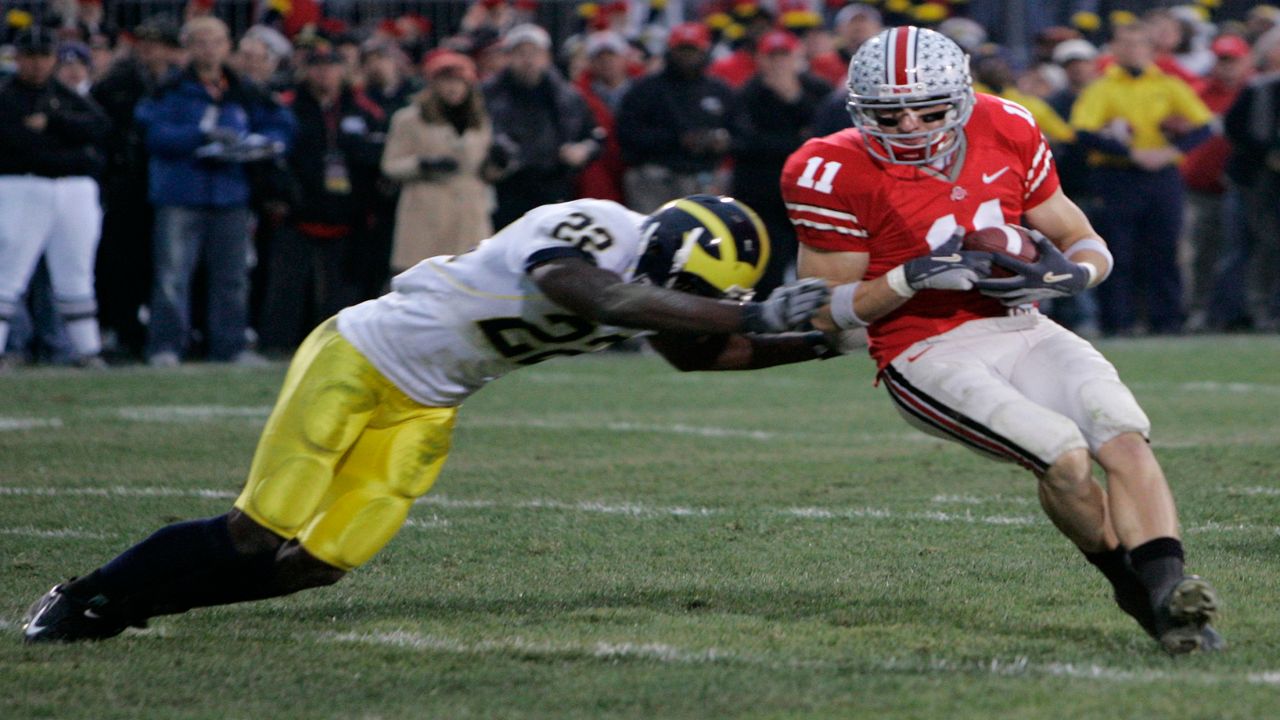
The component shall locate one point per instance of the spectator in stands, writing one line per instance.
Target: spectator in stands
(673, 125)
(1137, 121)
(544, 132)
(820, 54)
(1078, 60)
(259, 55)
(334, 161)
(993, 74)
(200, 127)
(1252, 125)
(604, 80)
(124, 272)
(49, 155)
(773, 116)
(436, 150)
(102, 55)
(73, 67)
(1259, 20)
(855, 24)
(388, 84)
(738, 65)
(1203, 170)
(1166, 35)
(385, 81)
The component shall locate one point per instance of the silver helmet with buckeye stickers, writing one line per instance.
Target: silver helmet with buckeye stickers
(910, 68)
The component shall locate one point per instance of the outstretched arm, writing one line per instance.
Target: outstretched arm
(739, 352)
(605, 297)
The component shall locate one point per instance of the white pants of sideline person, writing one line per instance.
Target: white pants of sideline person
(61, 219)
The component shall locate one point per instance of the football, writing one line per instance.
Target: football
(1012, 240)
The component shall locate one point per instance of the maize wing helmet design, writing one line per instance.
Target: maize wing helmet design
(910, 67)
(706, 245)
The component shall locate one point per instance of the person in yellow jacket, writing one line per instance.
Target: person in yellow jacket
(994, 75)
(1137, 122)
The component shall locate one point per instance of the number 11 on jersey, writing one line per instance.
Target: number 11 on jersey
(822, 184)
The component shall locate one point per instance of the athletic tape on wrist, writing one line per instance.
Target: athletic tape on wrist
(1093, 273)
(843, 313)
(897, 279)
(1096, 245)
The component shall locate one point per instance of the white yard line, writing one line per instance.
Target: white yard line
(648, 650)
(55, 533)
(645, 511)
(256, 414)
(118, 491)
(1254, 491)
(190, 413)
(672, 654)
(618, 426)
(435, 522)
(16, 423)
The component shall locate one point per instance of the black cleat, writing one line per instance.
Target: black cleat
(1211, 640)
(1183, 617)
(58, 617)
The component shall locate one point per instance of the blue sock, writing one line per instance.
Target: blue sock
(169, 554)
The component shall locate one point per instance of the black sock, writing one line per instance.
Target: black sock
(1129, 593)
(1158, 564)
(248, 577)
(170, 553)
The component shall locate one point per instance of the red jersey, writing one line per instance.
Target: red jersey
(841, 198)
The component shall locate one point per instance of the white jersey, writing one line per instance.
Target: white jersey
(452, 323)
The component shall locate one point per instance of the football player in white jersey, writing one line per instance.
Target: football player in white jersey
(882, 208)
(363, 422)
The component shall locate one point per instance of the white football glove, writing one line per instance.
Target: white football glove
(789, 307)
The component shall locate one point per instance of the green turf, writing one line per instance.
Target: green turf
(613, 539)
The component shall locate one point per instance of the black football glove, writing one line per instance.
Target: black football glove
(1050, 276)
(947, 267)
(788, 308)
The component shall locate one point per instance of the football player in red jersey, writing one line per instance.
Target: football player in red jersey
(881, 210)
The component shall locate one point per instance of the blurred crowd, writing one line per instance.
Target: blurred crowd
(177, 191)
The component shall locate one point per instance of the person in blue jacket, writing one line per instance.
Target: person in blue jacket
(202, 128)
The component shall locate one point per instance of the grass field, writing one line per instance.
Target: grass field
(611, 538)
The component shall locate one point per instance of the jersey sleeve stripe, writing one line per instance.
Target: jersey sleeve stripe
(825, 212)
(827, 227)
(1044, 173)
(545, 254)
(1040, 151)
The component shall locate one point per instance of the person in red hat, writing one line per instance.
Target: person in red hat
(436, 151)
(773, 115)
(673, 124)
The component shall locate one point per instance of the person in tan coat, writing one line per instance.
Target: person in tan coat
(436, 149)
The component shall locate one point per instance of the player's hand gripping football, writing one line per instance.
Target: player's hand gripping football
(788, 308)
(1050, 276)
(947, 267)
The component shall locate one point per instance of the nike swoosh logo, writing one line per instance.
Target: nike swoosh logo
(1050, 277)
(913, 358)
(954, 258)
(988, 179)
